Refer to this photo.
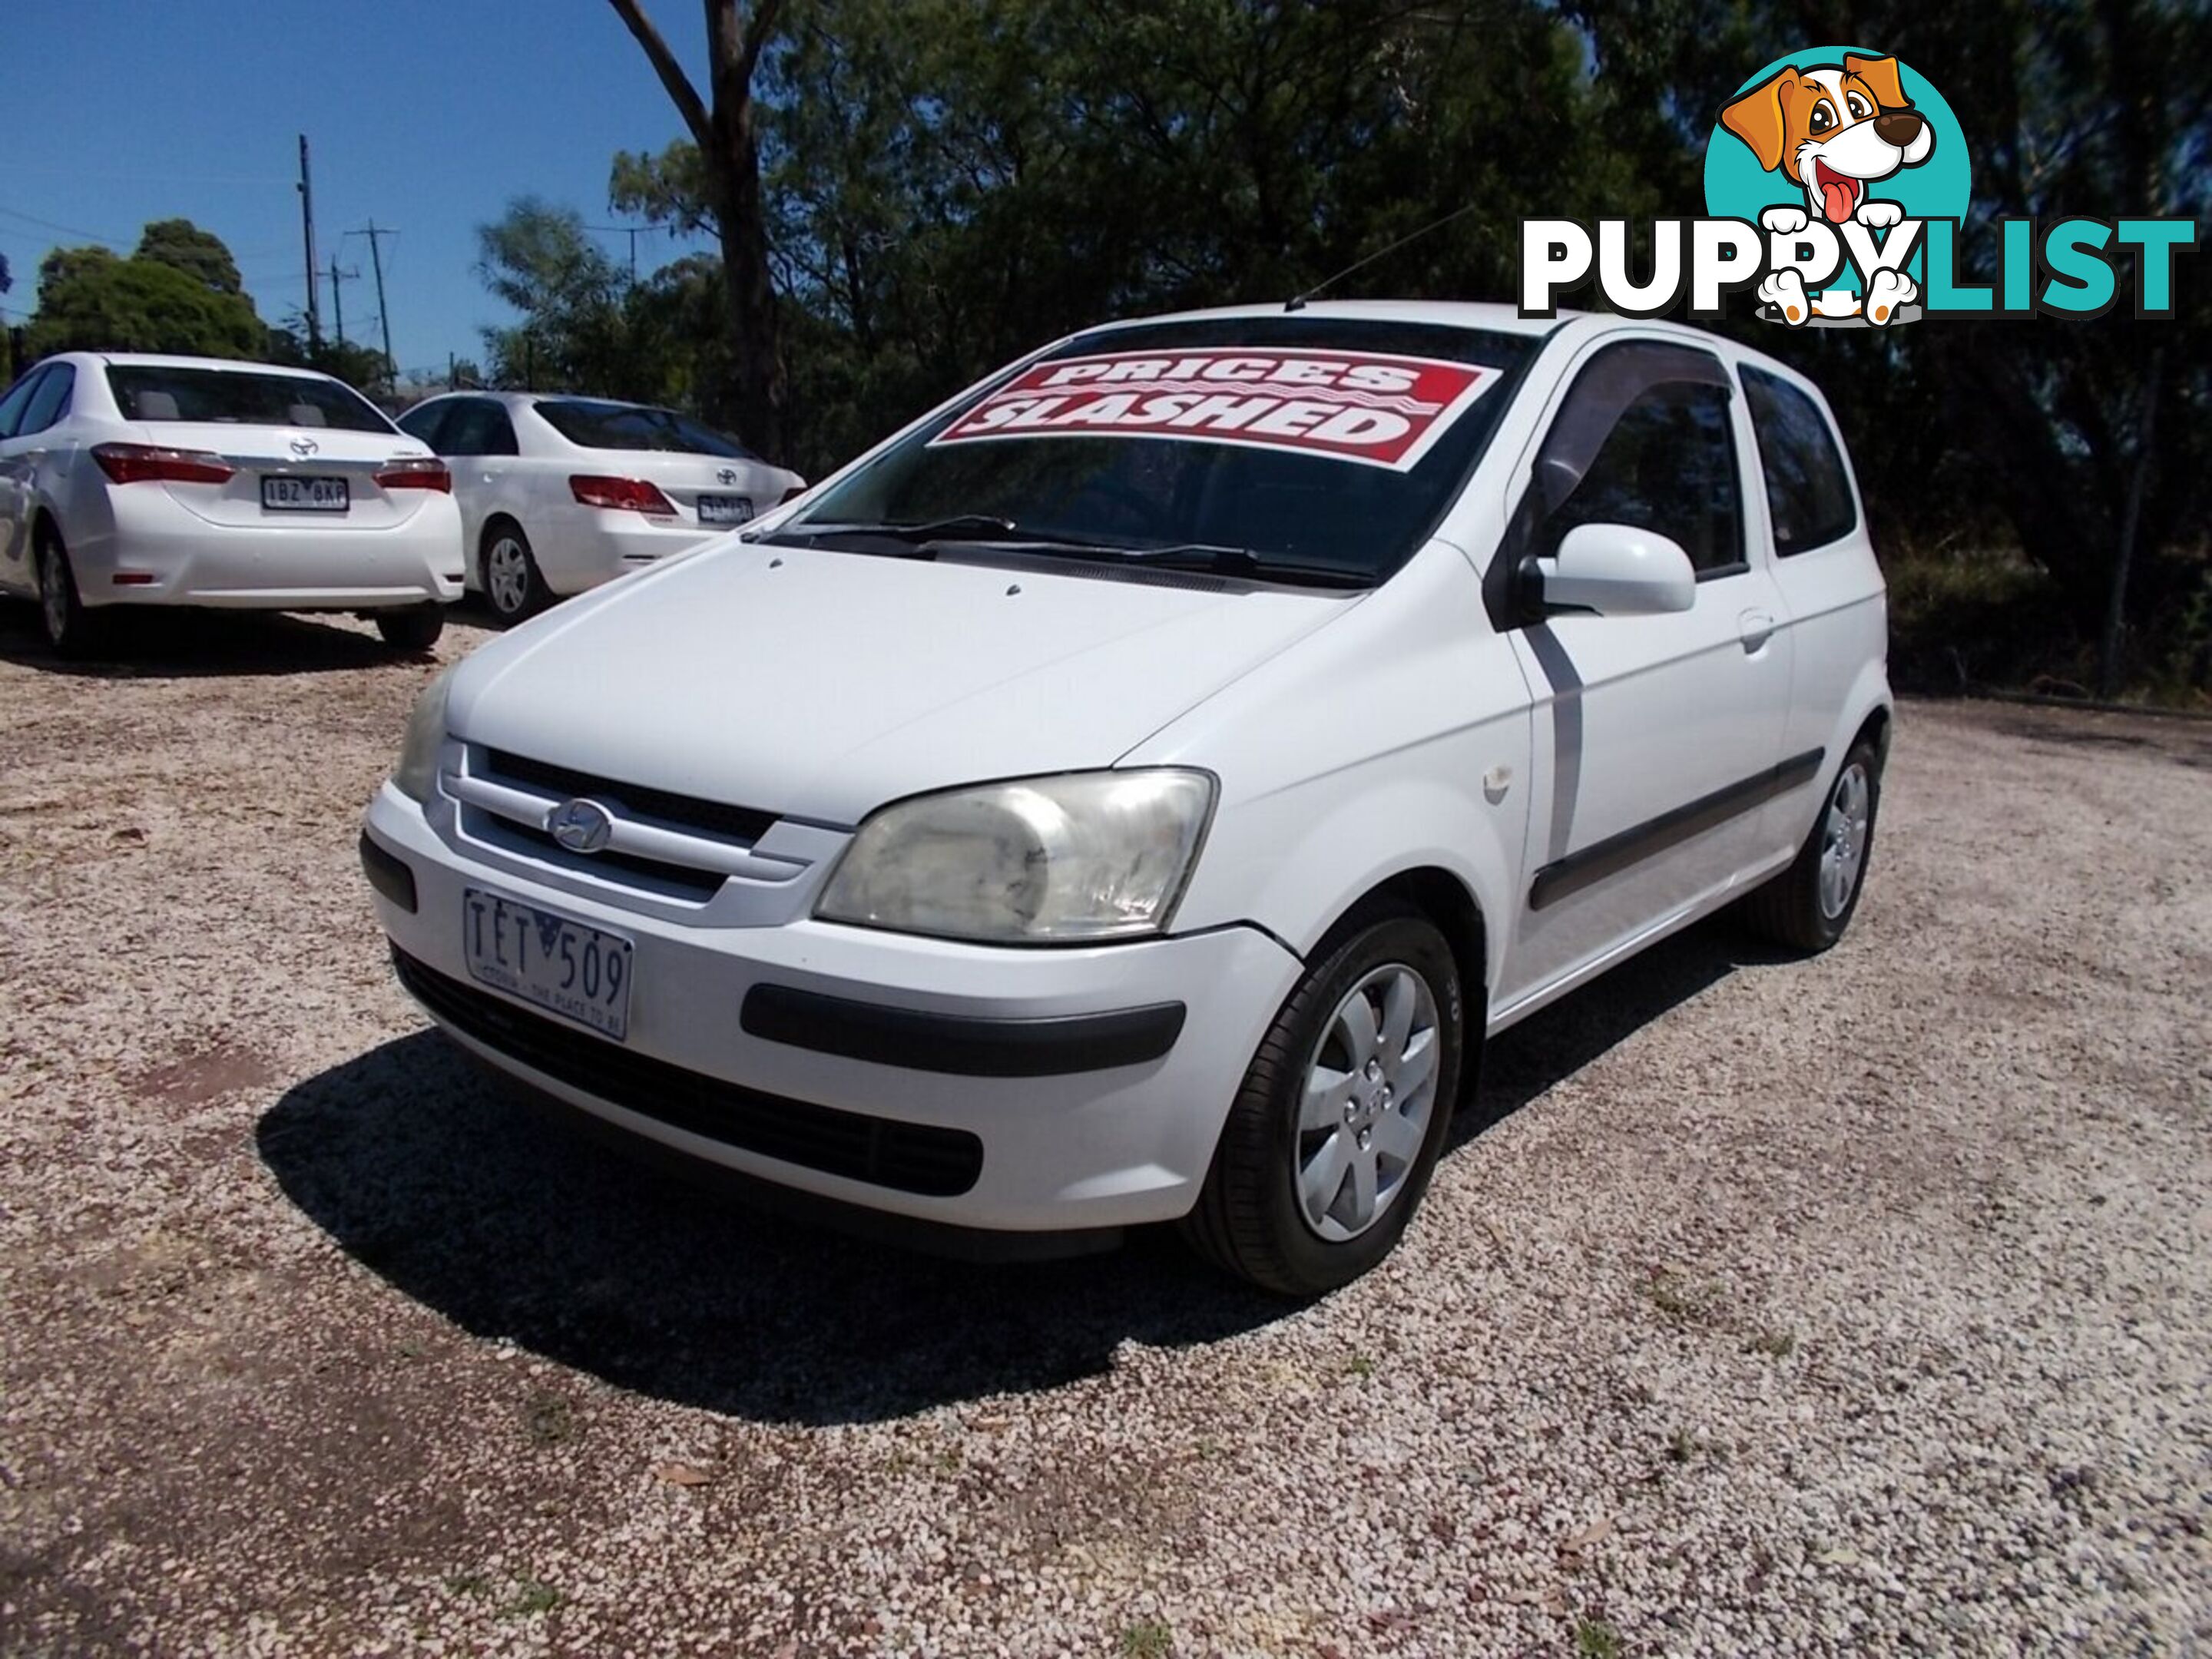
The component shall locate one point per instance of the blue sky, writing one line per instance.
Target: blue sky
(426, 115)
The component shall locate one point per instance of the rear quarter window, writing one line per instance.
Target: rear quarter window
(1808, 493)
(423, 421)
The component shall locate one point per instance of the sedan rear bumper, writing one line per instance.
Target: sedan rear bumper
(157, 553)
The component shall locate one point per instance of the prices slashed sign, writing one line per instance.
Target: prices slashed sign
(1374, 408)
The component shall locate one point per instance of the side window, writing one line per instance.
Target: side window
(1809, 494)
(1668, 464)
(423, 422)
(17, 400)
(49, 402)
(478, 427)
(1643, 439)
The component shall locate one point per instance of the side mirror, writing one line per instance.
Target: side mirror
(1616, 570)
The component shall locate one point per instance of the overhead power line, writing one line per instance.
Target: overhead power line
(66, 230)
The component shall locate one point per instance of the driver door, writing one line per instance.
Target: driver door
(1655, 737)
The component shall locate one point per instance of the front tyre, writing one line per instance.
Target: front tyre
(1331, 1140)
(1809, 905)
(69, 628)
(415, 629)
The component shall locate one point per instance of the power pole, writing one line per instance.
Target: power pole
(337, 299)
(376, 261)
(307, 225)
(633, 232)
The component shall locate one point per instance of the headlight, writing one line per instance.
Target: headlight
(1089, 855)
(416, 774)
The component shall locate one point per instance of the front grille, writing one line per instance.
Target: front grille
(909, 1158)
(684, 811)
(689, 883)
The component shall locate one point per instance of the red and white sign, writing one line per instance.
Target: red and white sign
(1371, 407)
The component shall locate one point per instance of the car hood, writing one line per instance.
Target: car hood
(822, 684)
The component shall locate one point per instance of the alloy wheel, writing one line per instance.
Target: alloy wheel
(53, 595)
(1371, 1089)
(1844, 839)
(507, 576)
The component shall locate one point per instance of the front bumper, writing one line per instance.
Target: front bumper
(1000, 1088)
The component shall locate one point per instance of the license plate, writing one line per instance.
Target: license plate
(290, 493)
(724, 509)
(566, 967)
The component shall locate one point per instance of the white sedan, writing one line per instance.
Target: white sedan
(132, 479)
(559, 493)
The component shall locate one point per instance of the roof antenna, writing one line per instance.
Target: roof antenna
(1297, 302)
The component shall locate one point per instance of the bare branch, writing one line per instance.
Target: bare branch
(669, 71)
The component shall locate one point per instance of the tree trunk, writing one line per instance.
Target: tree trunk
(2115, 612)
(757, 351)
(723, 130)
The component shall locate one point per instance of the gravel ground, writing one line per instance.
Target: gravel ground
(1768, 1308)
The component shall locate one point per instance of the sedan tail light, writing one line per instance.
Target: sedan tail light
(140, 463)
(793, 494)
(415, 472)
(630, 494)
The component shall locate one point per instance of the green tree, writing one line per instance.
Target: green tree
(541, 260)
(90, 300)
(197, 253)
(358, 366)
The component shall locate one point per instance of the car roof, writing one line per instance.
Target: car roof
(1450, 313)
(519, 399)
(166, 360)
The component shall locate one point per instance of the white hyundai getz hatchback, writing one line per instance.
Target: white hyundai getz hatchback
(1133, 792)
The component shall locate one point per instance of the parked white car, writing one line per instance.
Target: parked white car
(559, 494)
(140, 480)
(1134, 792)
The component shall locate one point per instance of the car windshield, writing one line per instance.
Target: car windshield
(1317, 444)
(230, 397)
(625, 426)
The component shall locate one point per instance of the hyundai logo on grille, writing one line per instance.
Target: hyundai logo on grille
(304, 448)
(581, 826)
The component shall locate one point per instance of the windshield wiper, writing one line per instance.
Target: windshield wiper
(1225, 561)
(926, 539)
(916, 534)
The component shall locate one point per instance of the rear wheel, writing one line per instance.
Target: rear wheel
(1331, 1140)
(512, 581)
(70, 627)
(1809, 905)
(415, 629)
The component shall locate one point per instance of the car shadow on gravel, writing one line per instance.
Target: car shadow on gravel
(463, 1197)
(1555, 1042)
(187, 644)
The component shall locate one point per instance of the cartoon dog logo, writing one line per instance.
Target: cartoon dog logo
(1833, 131)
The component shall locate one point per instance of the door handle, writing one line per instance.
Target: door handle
(1755, 628)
